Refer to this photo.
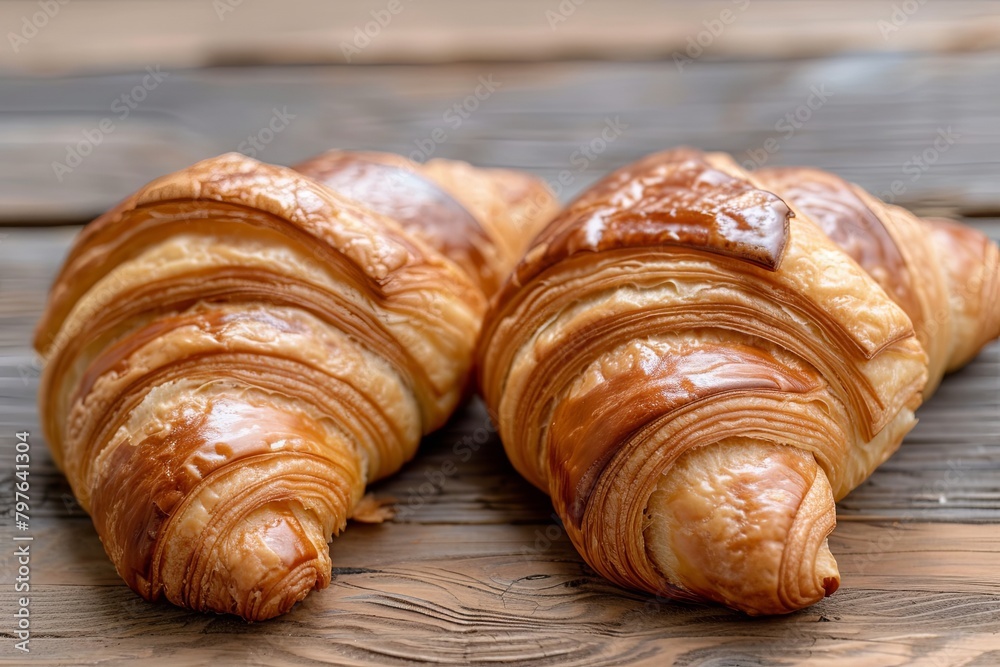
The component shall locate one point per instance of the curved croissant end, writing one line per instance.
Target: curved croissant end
(695, 371)
(971, 263)
(943, 275)
(770, 505)
(233, 353)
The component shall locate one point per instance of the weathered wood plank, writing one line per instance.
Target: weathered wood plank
(941, 558)
(879, 114)
(487, 608)
(449, 596)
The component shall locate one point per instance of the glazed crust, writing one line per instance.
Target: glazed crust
(696, 370)
(482, 219)
(234, 352)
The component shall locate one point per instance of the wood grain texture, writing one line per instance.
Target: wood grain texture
(474, 570)
(880, 114)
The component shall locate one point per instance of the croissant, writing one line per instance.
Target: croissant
(696, 363)
(236, 350)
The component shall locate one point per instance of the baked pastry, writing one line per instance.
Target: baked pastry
(695, 372)
(481, 219)
(937, 271)
(235, 351)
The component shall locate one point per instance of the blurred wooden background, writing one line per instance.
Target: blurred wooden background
(901, 96)
(130, 34)
(718, 74)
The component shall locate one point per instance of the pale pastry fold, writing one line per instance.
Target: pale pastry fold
(696, 363)
(236, 350)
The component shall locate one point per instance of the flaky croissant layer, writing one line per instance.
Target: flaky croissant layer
(236, 350)
(696, 362)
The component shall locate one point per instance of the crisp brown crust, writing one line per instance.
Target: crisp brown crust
(509, 206)
(677, 197)
(248, 194)
(890, 244)
(391, 187)
(696, 401)
(832, 203)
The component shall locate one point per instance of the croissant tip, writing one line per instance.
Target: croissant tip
(830, 585)
(309, 579)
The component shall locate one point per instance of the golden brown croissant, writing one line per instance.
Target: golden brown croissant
(236, 350)
(695, 372)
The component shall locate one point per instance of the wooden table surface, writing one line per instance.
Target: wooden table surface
(475, 570)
